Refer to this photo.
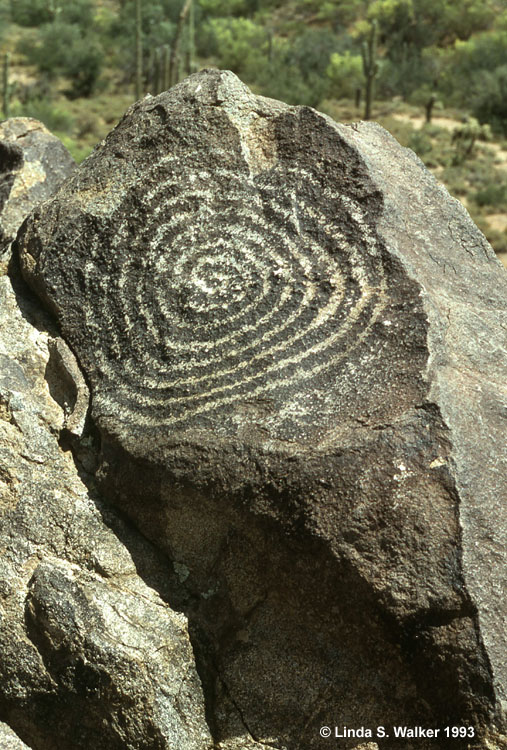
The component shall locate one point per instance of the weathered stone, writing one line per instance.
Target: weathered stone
(9, 740)
(91, 656)
(33, 163)
(295, 343)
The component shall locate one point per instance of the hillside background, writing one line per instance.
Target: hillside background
(433, 72)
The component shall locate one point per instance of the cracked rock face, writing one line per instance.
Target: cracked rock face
(91, 654)
(33, 163)
(295, 346)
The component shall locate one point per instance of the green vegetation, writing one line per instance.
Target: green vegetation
(410, 64)
(7, 87)
(370, 67)
(465, 137)
(139, 50)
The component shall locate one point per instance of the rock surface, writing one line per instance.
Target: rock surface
(33, 163)
(9, 740)
(91, 656)
(295, 344)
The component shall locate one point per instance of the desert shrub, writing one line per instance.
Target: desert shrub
(311, 49)
(489, 97)
(466, 135)
(39, 12)
(481, 52)
(77, 151)
(224, 8)
(285, 82)
(401, 75)
(159, 19)
(431, 22)
(455, 179)
(89, 124)
(475, 76)
(31, 12)
(400, 129)
(308, 56)
(292, 69)
(68, 50)
(118, 33)
(420, 142)
(493, 195)
(345, 74)
(237, 44)
(55, 118)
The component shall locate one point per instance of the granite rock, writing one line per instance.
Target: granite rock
(9, 740)
(92, 655)
(33, 163)
(295, 342)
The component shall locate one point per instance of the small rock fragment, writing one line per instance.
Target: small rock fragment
(33, 163)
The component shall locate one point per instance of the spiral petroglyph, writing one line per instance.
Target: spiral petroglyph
(222, 272)
(222, 305)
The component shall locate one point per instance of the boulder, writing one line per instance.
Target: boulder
(91, 653)
(33, 163)
(295, 342)
(9, 740)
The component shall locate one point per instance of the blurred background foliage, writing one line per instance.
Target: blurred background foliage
(437, 70)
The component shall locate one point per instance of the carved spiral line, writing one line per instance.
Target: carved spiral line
(238, 291)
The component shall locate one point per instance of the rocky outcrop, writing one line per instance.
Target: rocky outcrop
(33, 163)
(294, 341)
(91, 655)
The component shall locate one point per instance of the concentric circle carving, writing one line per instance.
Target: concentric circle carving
(227, 287)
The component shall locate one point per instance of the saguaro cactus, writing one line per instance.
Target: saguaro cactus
(156, 71)
(175, 48)
(6, 86)
(139, 51)
(370, 67)
(191, 38)
(270, 35)
(430, 103)
(166, 67)
(159, 68)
